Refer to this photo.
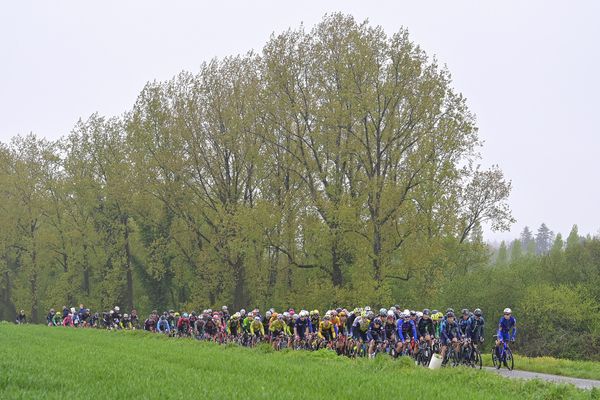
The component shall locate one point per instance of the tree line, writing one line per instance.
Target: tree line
(338, 165)
(553, 286)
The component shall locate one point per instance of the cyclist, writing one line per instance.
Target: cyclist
(449, 334)
(406, 331)
(163, 325)
(425, 327)
(390, 328)
(257, 328)
(342, 323)
(134, 319)
(477, 326)
(50, 317)
(375, 335)
(360, 328)
(302, 326)
(21, 319)
(315, 319)
(150, 323)
(183, 325)
(279, 326)
(234, 325)
(507, 329)
(126, 322)
(326, 329)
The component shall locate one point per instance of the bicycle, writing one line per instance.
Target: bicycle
(502, 354)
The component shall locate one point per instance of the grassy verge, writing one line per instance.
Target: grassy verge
(554, 366)
(52, 363)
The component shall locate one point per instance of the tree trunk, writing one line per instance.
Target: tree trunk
(129, 296)
(239, 295)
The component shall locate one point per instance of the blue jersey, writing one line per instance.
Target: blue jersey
(507, 328)
(466, 327)
(406, 329)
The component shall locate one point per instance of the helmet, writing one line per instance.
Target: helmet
(162, 317)
(312, 313)
(117, 308)
(406, 312)
(477, 312)
(73, 309)
(393, 308)
(434, 312)
(185, 315)
(112, 312)
(326, 317)
(382, 312)
(236, 315)
(268, 314)
(507, 311)
(419, 314)
(426, 311)
(125, 316)
(390, 313)
(286, 314)
(342, 314)
(224, 308)
(52, 310)
(243, 312)
(295, 316)
(367, 308)
(465, 311)
(316, 312)
(413, 313)
(377, 321)
(450, 314)
(177, 314)
(370, 315)
(328, 312)
(274, 315)
(292, 312)
(280, 316)
(257, 319)
(436, 316)
(450, 310)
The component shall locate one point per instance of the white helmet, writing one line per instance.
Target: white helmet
(390, 313)
(367, 308)
(406, 312)
(117, 308)
(257, 319)
(419, 314)
(286, 314)
(125, 315)
(73, 310)
(507, 311)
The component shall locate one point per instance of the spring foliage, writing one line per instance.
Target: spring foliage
(335, 166)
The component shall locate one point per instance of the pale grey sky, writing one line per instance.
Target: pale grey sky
(528, 68)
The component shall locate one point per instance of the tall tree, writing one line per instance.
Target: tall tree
(543, 239)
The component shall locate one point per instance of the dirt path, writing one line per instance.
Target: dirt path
(578, 382)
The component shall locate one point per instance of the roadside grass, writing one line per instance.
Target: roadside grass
(37, 362)
(554, 366)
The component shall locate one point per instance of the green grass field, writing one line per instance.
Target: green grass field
(52, 363)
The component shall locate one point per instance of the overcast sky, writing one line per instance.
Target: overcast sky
(530, 71)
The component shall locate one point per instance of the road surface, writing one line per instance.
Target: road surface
(578, 382)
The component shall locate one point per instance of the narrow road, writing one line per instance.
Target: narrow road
(578, 382)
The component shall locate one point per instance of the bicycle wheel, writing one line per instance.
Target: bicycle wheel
(476, 359)
(495, 361)
(509, 361)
